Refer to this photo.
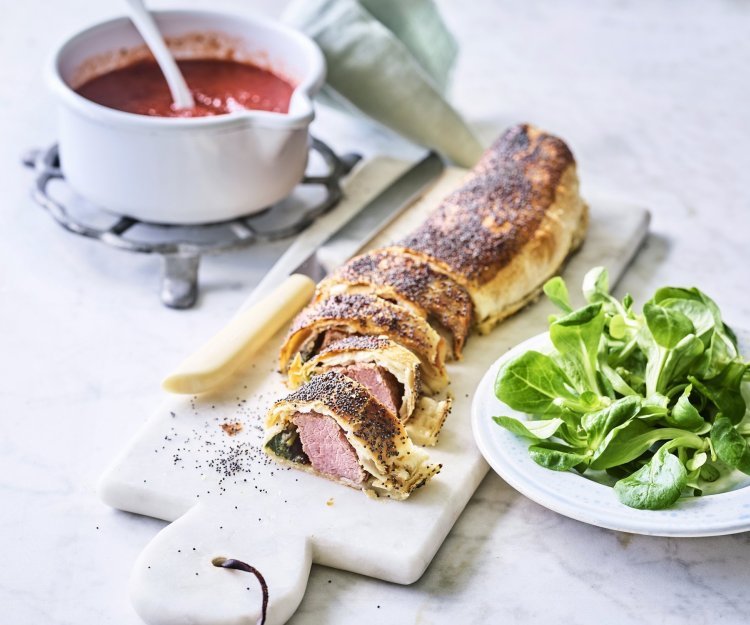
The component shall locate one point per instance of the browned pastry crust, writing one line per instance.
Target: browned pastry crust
(511, 224)
(408, 281)
(357, 342)
(356, 349)
(424, 416)
(498, 238)
(394, 466)
(367, 314)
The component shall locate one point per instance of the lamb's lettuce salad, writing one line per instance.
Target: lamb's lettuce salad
(654, 399)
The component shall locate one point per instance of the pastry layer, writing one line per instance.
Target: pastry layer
(510, 226)
(411, 282)
(370, 450)
(334, 317)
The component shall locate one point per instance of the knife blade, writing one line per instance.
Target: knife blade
(354, 233)
(215, 362)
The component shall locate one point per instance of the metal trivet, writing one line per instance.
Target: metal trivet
(181, 247)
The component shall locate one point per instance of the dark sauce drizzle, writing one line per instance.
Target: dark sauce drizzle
(231, 563)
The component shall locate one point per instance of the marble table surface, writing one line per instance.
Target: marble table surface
(653, 98)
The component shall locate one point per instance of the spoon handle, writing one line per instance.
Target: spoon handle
(146, 26)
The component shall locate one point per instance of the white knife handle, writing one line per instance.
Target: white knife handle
(242, 337)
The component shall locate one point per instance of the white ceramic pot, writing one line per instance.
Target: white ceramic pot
(185, 170)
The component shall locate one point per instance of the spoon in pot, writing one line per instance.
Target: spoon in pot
(146, 26)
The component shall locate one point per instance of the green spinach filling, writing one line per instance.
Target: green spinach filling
(288, 445)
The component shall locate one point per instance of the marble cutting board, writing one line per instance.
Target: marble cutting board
(224, 498)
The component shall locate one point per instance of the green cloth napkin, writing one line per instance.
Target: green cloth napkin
(391, 60)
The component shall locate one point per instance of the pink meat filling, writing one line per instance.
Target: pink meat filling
(325, 445)
(382, 384)
(331, 336)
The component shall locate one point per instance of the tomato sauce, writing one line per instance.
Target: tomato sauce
(218, 87)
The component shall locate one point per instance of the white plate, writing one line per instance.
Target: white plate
(583, 499)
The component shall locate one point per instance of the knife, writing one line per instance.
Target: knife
(254, 325)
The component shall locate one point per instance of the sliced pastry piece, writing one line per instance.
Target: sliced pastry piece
(330, 319)
(510, 226)
(409, 281)
(333, 427)
(389, 371)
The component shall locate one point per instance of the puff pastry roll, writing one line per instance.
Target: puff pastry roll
(392, 375)
(411, 282)
(333, 427)
(510, 226)
(335, 317)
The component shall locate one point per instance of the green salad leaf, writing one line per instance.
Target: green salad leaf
(668, 327)
(684, 414)
(535, 384)
(657, 484)
(533, 430)
(724, 390)
(557, 292)
(576, 337)
(654, 398)
(730, 446)
(556, 456)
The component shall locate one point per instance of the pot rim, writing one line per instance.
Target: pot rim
(304, 90)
